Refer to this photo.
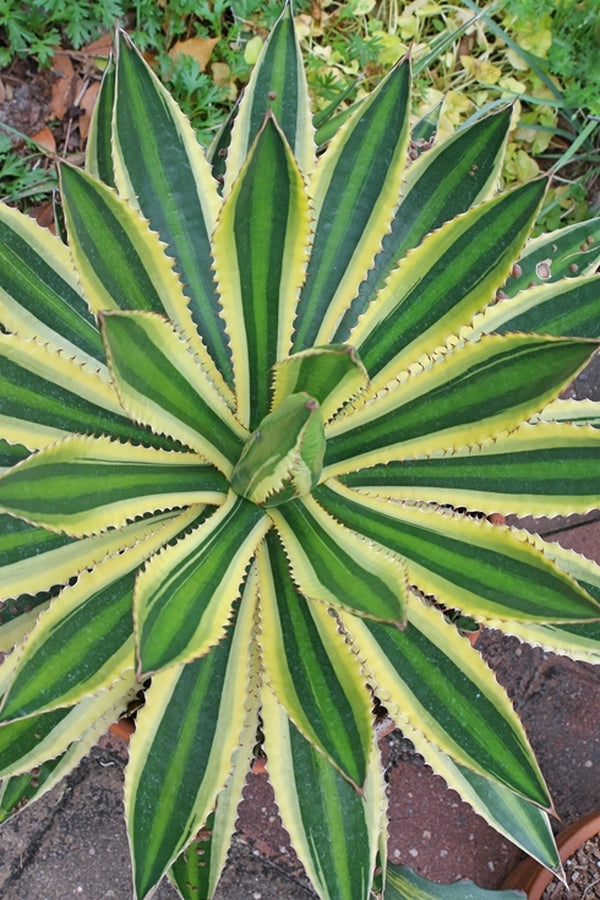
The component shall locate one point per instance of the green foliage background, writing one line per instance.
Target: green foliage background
(543, 56)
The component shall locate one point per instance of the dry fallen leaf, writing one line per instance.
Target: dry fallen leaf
(199, 48)
(65, 86)
(87, 103)
(101, 47)
(44, 215)
(221, 73)
(45, 139)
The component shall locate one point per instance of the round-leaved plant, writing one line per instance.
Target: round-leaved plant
(247, 409)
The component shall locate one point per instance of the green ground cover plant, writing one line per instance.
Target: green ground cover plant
(543, 60)
(567, 34)
(250, 406)
(21, 177)
(469, 57)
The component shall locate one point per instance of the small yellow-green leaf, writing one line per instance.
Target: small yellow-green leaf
(333, 375)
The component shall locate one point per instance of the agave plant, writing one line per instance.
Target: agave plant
(248, 407)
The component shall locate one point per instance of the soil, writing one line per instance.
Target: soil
(582, 871)
(51, 106)
(26, 95)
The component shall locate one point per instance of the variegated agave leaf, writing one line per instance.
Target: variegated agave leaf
(241, 423)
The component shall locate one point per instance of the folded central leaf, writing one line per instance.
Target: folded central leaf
(283, 458)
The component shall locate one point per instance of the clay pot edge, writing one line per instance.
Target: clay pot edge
(530, 876)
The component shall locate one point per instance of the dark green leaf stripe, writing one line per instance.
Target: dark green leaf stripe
(41, 774)
(91, 209)
(579, 640)
(586, 571)
(35, 398)
(329, 803)
(459, 708)
(404, 884)
(159, 169)
(192, 872)
(34, 559)
(87, 652)
(564, 470)
(26, 606)
(327, 710)
(331, 124)
(99, 160)
(18, 738)
(330, 562)
(264, 214)
(64, 735)
(444, 183)
(21, 577)
(196, 871)
(11, 453)
(472, 393)
(525, 824)
(334, 818)
(20, 790)
(88, 628)
(28, 279)
(278, 87)
(218, 151)
(548, 465)
(66, 489)
(461, 562)
(570, 307)
(159, 376)
(74, 484)
(193, 723)
(460, 266)
(185, 594)
(19, 540)
(564, 253)
(168, 785)
(576, 412)
(352, 194)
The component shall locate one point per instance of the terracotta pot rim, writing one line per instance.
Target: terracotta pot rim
(531, 877)
(123, 728)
